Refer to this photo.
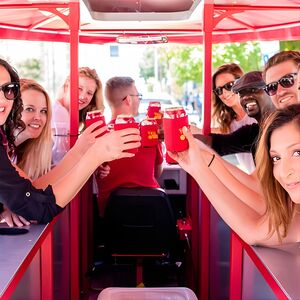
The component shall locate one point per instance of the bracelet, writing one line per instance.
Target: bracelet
(212, 159)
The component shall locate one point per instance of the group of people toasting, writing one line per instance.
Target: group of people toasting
(258, 113)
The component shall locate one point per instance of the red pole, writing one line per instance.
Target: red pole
(74, 21)
(236, 267)
(205, 206)
(47, 283)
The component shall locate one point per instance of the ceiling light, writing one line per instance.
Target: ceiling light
(145, 39)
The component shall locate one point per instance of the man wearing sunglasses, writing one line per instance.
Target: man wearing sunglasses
(281, 76)
(278, 72)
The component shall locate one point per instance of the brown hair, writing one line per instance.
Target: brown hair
(223, 114)
(116, 89)
(281, 57)
(280, 208)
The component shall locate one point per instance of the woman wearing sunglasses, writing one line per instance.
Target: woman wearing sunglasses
(39, 200)
(228, 111)
(33, 145)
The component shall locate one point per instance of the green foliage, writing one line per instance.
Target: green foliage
(30, 68)
(248, 55)
(289, 45)
(184, 63)
(147, 65)
(147, 68)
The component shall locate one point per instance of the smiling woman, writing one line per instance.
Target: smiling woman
(90, 97)
(228, 112)
(32, 152)
(278, 169)
(34, 144)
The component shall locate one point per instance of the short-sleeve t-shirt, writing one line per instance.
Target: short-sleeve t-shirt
(137, 171)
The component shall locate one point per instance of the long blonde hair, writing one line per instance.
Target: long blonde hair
(34, 155)
(280, 208)
(96, 103)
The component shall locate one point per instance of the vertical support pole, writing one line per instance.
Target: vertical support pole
(208, 10)
(236, 268)
(47, 286)
(74, 21)
(194, 212)
(74, 40)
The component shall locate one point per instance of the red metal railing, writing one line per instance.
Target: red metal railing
(238, 246)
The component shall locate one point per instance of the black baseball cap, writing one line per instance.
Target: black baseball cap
(249, 80)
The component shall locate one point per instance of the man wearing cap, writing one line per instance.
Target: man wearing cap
(256, 104)
(254, 100)
(280, 77)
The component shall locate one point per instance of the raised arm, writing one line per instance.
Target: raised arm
(23, 198)
(241, 190)
(245, 221)
(250, 180)
(241, 140)
(112, 145)
(83, 143)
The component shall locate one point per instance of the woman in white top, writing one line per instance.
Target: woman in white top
(90, 97)
(227, 110)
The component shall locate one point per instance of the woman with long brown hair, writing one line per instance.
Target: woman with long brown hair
(227, 110)
(278, 168)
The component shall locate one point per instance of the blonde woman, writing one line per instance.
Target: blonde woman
(34, 144)
(90, 97)
(278, 168)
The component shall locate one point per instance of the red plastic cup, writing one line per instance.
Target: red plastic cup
(125, 121)
(94, 116)
(154, 111)
(174, 120)
(149, 133)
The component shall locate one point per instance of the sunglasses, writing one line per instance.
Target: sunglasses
(286, 81)
(139, 95)
(219, 90)
(10, 90)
